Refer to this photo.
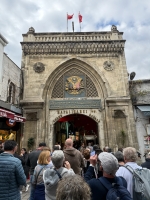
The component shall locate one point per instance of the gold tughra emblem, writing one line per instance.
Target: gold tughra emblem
(74, 85)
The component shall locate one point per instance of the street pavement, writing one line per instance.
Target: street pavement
(25, 195)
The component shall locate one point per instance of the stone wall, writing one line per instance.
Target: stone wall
(11, 73)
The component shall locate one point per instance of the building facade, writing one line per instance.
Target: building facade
(76, 85)
(10, 113)
(140, 94)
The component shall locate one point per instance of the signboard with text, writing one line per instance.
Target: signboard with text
(75, 104)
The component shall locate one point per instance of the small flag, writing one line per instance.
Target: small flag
(80, 18)
(69, 16)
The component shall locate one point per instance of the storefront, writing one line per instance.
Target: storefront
(10, 125)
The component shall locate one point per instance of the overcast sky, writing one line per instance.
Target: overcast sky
(130, 16)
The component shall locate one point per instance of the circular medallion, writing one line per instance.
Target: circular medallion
(108, 65)
(38, 67)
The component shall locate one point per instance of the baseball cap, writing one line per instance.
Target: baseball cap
(108, 162)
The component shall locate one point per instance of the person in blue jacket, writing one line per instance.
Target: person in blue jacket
(11, 173)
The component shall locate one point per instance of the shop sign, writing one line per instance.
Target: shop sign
(7, 114)
(19, 118)
(11, 115)
(10, 122)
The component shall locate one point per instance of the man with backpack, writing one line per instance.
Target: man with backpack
(109, 186)
(130, 157)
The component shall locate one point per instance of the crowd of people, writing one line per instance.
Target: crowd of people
(86, 173)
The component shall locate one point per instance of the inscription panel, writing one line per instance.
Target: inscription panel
(75, 104)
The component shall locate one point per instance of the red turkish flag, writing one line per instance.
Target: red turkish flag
(80, 18)
(69, 16)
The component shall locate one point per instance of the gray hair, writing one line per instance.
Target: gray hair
(58, 158)
(73, 187)
(130, 154)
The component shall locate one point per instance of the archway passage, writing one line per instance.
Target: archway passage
(80, 128)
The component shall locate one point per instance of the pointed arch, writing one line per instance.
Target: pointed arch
(99, 81)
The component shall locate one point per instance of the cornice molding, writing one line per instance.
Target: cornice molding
(104, 48)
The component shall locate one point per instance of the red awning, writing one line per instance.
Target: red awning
(11, 115)
(6, 113)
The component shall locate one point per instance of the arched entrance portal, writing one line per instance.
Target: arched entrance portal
(80, 128)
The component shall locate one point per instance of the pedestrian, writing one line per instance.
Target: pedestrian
(82, 147)
(24, 157)
(37, 180)
(32, 162)
(120, 158)
(53, 175)
(11, 173)
(93, 152)
(73, 156)
(90, 146)
(109, 166)
(130, 157)
(86, 157)
(147, 163)
(78, 189)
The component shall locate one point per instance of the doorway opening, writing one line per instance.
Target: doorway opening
(80, 128)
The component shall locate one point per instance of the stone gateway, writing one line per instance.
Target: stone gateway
(76, 85)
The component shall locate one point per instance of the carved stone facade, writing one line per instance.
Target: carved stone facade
(82, 67)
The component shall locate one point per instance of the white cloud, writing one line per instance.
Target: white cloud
(131, 17)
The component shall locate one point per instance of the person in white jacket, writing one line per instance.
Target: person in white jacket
(52, 176)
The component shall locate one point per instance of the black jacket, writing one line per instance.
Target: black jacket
(24, 164)
(32, 160)
(146, 164)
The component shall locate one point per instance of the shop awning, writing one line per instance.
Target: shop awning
(6, 113)
(11, 115)
(145, 110)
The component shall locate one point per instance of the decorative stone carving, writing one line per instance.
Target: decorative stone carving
(108, 65)
(38, 67)
(74, 85)
(103, 48)
(114, 28)
(31, 30)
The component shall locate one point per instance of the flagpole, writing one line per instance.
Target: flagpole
(79, 21)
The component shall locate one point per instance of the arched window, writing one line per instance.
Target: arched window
(11, 93)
